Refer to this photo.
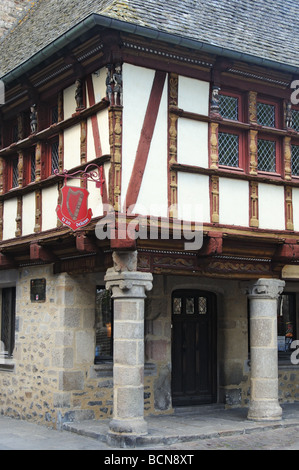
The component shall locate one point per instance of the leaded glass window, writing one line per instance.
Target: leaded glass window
(202, 305)
(266, 114)
(15, 173)
(228, 149)
(295, 119)
(228, 106)
(54, 157)
(266, 155)
(32, 175)
(295, 160)
(177, 305)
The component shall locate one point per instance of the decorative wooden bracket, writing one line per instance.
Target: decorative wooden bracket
(213, 245)
(287, 252)
(40, 253)
(85, 244)
(7, 262)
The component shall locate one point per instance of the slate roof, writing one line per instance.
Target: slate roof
(267, 29)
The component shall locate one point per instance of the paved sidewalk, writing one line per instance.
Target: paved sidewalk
(191, 425)
(184, 428)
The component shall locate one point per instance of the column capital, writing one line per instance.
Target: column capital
(128, 284)
(264, 288)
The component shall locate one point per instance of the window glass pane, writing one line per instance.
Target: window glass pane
(228, 106)
(266, 155)
(54, 115)
(104, 324)
(55, 156)
(266, 114)
(295, 160)
(189, 306)
(202, 305)
(15, 173)
(286, 322)
(295, 119)
(228, 149)
(32, 176)
(177, 306)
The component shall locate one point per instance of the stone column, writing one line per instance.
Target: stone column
(128, 288)
(263, 295)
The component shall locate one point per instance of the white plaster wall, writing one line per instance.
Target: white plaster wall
(233, 202)
(99, 84)
(49, 204)
(193, 197)
(137, 85)
(9, 218)
(103, 123)
(296, 208)
(72, 139)
(153, 196)
(193, 143)
(94, 199)
(28, 217)
(271, 207)
(194, 95)
(69, 102)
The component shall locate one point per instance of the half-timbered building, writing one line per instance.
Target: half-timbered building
(149, 209)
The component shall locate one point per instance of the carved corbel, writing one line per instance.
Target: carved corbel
(40, 253)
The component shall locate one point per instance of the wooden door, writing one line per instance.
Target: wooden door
(193, 348)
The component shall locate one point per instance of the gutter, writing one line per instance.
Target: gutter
(94, 20)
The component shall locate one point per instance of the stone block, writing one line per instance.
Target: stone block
(71, 380)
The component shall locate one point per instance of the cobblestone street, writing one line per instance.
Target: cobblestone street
(272, 439)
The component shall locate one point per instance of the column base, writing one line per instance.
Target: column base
(124, 433)
(265, 411)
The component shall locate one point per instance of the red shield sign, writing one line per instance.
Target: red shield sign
(73, 211)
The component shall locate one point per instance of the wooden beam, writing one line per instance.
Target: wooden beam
(213, 246)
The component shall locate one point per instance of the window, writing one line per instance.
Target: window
(15, 173)
(32, 166)
(266, 114)
(8, 321)
(54, 156)
(229, 107)
(266, 150)
(104, 325)
(295, 119)
(286, 323)
(228, 149)
(295, 160)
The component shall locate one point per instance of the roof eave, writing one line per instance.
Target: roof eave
(113, 23)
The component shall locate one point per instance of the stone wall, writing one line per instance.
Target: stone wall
(10, 12)
(54, 377)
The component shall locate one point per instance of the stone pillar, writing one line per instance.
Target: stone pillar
(128, 288)
(263, 295)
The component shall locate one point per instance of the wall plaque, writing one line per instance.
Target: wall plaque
(38, 290)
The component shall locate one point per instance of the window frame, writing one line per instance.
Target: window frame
(278, 155)
(277, 112)
(11, 291)
(242, 149)
(100, 359)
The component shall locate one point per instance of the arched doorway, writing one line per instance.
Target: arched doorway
(194, 356)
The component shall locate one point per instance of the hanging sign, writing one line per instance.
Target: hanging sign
(73, 210)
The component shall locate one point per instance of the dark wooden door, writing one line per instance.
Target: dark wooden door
(193, 348)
